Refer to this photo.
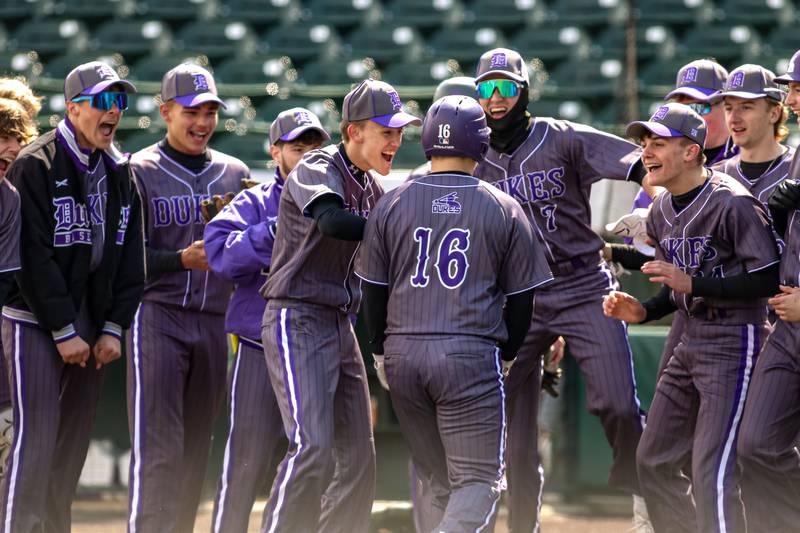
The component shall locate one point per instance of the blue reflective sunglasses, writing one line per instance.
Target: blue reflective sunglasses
(506, 88)
(105, 100)
(701, 109)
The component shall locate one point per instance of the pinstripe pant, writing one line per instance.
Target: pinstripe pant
(320, 383)
(769, 435)
(177, 363)
(695, 414)
(449, 397)
(571, 307)
(54, 406)
(254, 433)
(5, 377)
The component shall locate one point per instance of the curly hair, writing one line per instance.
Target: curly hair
(17, 89)
(15, 121)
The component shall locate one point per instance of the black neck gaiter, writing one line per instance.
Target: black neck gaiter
(511, 131)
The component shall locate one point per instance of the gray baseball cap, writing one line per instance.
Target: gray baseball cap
(290, 124)
(190, 85)
(671, 120)
(751, 82)
(793, 72)
(702, 79)
(379, 102)
(92, 78)
(502, 61)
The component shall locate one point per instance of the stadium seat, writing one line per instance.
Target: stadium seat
(334, 72)
(342, 14)
(506, 14)
(12, 11)
(657, 77)
(422, 14)
(60, 66)
(573, 110)
(325, 110)
(302, 41)
(651, 41)
(552, 43)
(153, 68)
(216, 40)
(587, 79)
(410, 154)
(20, 64)
(759, 13)
(87, 10)
(421, 72)
(730, 45)
(255, 70)
(133, 39)
(386, 44)
(782, 41)
(589, 13)
(615, 112)
(175, 11)
(259, 13)
(674, 13)
(252, 148)
(135, 140)
(50, 37)
(464, 44)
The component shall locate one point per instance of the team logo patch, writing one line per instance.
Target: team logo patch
(396, 103)
(447, 205)
(661, 113)
(498, 60)
(105, 72)
(737, 80)
(689, 75)
(72, 223)
(61, 183)
(302, 118)
(200, 82)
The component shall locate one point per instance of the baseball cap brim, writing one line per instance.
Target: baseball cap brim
(503, 73)
(105, 84)
(194, 100)
(698, 93)
(774, 94)
(787, 78)
(638, 129)
(297, 132)
(397, 120)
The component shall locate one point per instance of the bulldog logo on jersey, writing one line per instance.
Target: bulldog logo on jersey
(446, 205)
(689, 75)
(498, 60)
(660, 113)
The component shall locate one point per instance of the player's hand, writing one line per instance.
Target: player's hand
(106, 349)
(786, 196)
(787, 304)
(669, 275)
(194, 256)
(74, 351)
(553, 357)
(506, 367)
(380, 369)
(623, 306)
(248, 182)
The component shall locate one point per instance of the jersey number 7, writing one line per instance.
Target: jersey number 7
(451, 257)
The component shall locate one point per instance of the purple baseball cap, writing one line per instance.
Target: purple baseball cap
(792, 72)
(379, 102)
(752, 81)
(290, 124)
(503, 61)
(190, 85)
(92, 78)
(702, 80)
(671, 120)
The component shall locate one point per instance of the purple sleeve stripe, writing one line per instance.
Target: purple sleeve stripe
(12, 268)
(762, 267)
(371, 280)
(64, 334)
(115, 330)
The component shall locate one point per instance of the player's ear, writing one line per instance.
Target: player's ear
(163, 110)
(275, 152)
(355, 132)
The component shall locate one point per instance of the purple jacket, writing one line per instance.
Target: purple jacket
(238, 243)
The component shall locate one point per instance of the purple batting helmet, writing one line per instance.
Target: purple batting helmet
(455, 126)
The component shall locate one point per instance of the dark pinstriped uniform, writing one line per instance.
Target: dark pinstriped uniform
(313, 358)
(551, 175)
(770, 429)
(9, 262)
(177, 351)
(450, 247)
(700, 395)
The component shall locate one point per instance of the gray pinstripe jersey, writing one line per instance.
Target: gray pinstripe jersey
(723, 232)
(306, 265)
(9, 227)
(551, 175)
(762, 187)
(171, 196)
(450, 247)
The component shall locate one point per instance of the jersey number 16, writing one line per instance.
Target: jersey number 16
(451, 257)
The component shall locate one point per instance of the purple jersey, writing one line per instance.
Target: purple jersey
(9, 227)
(171, 196)
(450, 248)
(551, 175)
(763, 186)
(724, 232)
(238, 243)
(308, 266)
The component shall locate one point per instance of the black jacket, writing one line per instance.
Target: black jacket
(55, 257)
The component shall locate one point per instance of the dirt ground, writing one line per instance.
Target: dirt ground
(107, 515)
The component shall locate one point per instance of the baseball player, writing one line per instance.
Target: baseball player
(771, 422)
(549, 166)
(81, 277)
(314, 362)
(177, 350)
(238, 244)
(717, 258)
(450, 243)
